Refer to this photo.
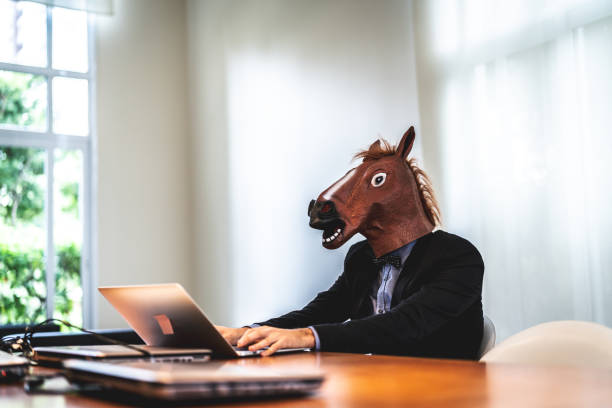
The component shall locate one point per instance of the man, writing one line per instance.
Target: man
(408, 289)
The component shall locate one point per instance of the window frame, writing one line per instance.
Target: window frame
(50, 140)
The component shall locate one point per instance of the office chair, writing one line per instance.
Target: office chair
(561, 343)
(488, 336)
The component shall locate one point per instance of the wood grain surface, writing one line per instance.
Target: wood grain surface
(354, 380)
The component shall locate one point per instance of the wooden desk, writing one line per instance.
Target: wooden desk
(381, 381)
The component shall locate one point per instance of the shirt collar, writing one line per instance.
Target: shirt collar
(404, 251)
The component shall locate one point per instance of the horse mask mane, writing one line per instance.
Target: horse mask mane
(387, 199)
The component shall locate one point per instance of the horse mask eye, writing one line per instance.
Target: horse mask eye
(378, 179)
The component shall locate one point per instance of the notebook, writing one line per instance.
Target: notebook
(179, 381)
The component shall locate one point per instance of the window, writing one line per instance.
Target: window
(46, 150)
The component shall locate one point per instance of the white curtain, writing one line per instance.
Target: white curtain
(517, 103)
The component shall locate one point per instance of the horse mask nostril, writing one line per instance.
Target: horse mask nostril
(326, 208)
(312, 203)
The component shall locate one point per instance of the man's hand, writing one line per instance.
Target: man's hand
(230, 334)
(274, 339)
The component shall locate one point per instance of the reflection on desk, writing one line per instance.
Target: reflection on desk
(354, 380)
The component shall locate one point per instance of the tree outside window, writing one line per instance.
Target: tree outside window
(45, 154)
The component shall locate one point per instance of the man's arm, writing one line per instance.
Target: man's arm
(456, 287)
(327, 307)
(289, 330)
(330, 306)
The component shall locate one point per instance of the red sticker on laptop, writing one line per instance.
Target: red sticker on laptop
(164, 324)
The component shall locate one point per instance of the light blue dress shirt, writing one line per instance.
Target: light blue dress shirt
(382, 291)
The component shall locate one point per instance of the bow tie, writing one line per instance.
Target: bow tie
(392, 260)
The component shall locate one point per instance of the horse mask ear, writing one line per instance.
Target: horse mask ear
(405, 145)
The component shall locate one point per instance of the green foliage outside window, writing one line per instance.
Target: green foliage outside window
(20, 196)
(23, 289)
(20, 99)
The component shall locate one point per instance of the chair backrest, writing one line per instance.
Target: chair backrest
(567, 343)
(488, 336)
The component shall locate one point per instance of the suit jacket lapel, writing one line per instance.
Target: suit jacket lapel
(365, 279)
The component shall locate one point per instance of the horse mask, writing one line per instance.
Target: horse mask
(387, 199)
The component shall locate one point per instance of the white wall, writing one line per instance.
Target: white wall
(282, 94)
(218, 121)
(144, 189)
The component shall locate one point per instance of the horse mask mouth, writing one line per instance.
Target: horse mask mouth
(324, 216)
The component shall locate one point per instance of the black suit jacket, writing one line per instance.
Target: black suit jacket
(436, 307)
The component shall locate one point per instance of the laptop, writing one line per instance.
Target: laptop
(213, 380)
(164, 316)
(12, 367)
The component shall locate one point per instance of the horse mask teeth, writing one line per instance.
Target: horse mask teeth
(381, 199)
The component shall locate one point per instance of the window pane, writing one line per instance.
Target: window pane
(68, 231)
(23, 101)
(23, 33)
(69, 40)
(70, 106)
(22, 235)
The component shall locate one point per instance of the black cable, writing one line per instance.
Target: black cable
(24, 344)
